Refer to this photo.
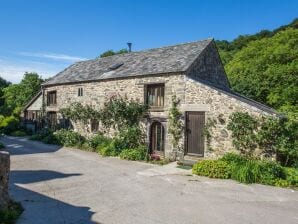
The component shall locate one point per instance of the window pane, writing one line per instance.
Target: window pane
(155, 95)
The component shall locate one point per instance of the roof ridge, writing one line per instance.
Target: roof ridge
(151, 49)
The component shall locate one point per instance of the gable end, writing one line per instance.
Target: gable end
(208, 68)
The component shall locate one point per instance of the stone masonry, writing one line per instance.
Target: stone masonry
(194, 96)
(193, 72)
(4, 178)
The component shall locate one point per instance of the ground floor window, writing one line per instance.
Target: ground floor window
(157, 137)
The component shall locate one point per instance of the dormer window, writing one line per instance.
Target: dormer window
(80, 91)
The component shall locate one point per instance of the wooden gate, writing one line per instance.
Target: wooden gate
(195, 122)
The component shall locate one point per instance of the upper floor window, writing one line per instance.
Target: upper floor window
(155, 95)
(52, 98)
(80, 91)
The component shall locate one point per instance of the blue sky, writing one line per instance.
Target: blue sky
(46, 36)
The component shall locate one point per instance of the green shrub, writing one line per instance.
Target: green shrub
(86, 147)
(18, 133)
(50, 139)
(69, 138)
(292, 176)
(46, 136)
(271, 172)
(213, 169)
(233, 158)
(98, 140)
(248, 172)
(129, 138)
(133, 154)
(10, 215)
(243, 128)
(108, 149)
(9, 124)
(2, 146)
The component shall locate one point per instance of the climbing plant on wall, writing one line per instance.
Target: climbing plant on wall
(175, 123)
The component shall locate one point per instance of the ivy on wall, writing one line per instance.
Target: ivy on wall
(175, 123)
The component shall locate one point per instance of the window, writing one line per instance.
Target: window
(155, 95)
(80, 91)
(52, 98)
(94, 125)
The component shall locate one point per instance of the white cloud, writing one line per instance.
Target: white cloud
(13, 71)
(53, 56)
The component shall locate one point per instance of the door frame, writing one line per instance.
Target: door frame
(162, 121)
(186, 136)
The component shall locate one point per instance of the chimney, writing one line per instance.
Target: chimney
(129, 47)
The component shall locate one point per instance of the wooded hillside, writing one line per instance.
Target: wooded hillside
(264, 66)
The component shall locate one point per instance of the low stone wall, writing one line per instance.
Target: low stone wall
(4, 178)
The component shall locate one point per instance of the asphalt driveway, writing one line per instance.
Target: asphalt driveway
(60, 185)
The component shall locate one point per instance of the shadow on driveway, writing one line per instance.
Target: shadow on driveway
(22, 146)
(43, 209)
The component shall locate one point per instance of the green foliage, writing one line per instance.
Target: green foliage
(210, 124)
(234, 158)
(18, 133)
(228, 49)
(287, 142)
(175, 122)
(292, 176)
(133, 154)
(244, 170)
(131, 137)
(2, 146)
(213, 169)
(68, 138)
(17, 95)
(108, 149)
(243, 127)
(98, 140)
(120, 113)
(10, 215)
(78, 112)
(9, 124)
(266, 70)
(248, 172)
(271, 135)
(111, 53)
(46, 136)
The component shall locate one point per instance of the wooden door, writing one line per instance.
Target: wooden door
(157, 138)
(195, 122)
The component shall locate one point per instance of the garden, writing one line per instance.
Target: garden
(257, 141)
(121, 114)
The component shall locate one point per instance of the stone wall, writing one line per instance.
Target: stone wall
(96, 93)
(218, 106)
(4, 178)
(209, 69)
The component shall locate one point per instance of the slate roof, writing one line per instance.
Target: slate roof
(169, 59)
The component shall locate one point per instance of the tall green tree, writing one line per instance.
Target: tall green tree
(17, 95)
(266, 70)
(3, 84)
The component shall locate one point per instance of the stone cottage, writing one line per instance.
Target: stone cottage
(193, 72)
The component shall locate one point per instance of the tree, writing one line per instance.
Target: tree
(228, 49)
(3, 84)
(111, 53)
(17, 95)
(267, 70)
